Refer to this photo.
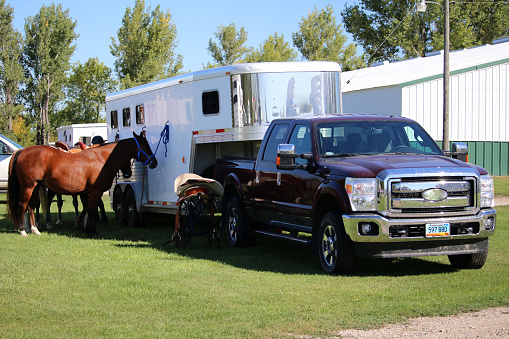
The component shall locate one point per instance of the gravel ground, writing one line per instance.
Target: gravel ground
(489, 323)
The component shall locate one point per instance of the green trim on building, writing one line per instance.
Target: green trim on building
(459, 71)
(491, 155)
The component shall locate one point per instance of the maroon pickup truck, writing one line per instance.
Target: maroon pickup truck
(359, 186)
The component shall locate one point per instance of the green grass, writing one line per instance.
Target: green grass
(125, 283)
(501, 185)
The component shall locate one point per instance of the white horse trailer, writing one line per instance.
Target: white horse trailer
(210, 114)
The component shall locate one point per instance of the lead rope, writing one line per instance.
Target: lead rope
(165, 137)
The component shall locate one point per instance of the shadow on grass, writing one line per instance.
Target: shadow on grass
(269, 255)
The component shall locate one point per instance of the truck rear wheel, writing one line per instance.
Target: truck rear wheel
(469, 261)
(238, 228)
(335, 249)
(118, 206)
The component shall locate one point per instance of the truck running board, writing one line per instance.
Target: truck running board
(287, 237)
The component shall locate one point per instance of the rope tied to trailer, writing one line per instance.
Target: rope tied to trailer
(165, 138)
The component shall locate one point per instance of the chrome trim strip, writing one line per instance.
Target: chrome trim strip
(423, 203)
(408, 187)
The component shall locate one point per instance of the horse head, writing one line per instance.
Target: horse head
(145, 154)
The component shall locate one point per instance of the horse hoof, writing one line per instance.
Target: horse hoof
(23, 233)
(35, 231)
(59, 222)
(49, 226)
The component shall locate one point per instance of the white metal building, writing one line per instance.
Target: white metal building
(479, 103)
(71, 134)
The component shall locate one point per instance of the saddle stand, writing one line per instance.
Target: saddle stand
(197, 197)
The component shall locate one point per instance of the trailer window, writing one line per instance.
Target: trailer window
(140, 115)
(113, 119)
(126, 115)
(210, 102)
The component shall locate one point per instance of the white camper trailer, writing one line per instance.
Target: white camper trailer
(71, 134)
(210, 114)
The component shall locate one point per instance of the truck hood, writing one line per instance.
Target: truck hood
(370, 166)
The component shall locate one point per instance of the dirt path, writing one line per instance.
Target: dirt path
(489, 323)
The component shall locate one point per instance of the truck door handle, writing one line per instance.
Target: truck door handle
(278, 178)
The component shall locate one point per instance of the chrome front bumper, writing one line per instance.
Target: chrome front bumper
(352, 221)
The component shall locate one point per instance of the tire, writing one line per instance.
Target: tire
(335, 249)
(239, 230)
(132, 217)
(118, 206)
(469, 261)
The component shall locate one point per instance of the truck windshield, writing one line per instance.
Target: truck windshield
(337, 139)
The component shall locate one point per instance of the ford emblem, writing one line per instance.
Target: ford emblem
(434, 194)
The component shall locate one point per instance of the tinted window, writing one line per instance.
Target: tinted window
(140, 115)
(126, 116)
(301, 138)
(210, 102)
(275, 138)
(113, 119)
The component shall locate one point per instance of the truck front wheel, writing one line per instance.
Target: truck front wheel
(469, 261)
(238, 228)
(335, 249)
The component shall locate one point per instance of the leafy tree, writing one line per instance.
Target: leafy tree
(145, 46)
(320, 38)
(86, 90)
(46, 57)
(274, 48)
(230, 49)
(11, 72)
(392, 30)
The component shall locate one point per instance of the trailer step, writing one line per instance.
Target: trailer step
(286, 237)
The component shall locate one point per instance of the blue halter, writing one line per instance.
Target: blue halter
(150, 158)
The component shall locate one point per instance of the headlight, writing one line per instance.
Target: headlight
(487, 192)
(362, 193)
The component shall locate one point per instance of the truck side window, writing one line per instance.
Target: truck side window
(275, 138)
(301, 138)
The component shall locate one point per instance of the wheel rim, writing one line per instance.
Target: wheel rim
(232, 224)
(130, 208)
(329, 249)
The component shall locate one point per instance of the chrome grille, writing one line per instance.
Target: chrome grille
(427, 195)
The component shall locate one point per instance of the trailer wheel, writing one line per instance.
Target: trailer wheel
(239, 230)
(469, 261)
(118, 206)
(131, 214)
(335, 249)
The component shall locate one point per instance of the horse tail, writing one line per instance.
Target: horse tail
(13, 192)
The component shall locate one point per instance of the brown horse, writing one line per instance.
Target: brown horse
(88, 173)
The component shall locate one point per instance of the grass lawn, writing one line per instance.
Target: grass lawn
(125, 283)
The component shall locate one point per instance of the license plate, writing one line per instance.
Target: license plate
(438, 230)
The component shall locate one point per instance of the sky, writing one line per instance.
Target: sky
(196, 22)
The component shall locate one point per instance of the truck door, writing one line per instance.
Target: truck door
(297, 186)
(266, 190)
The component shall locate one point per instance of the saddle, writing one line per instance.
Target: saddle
(197, 194)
